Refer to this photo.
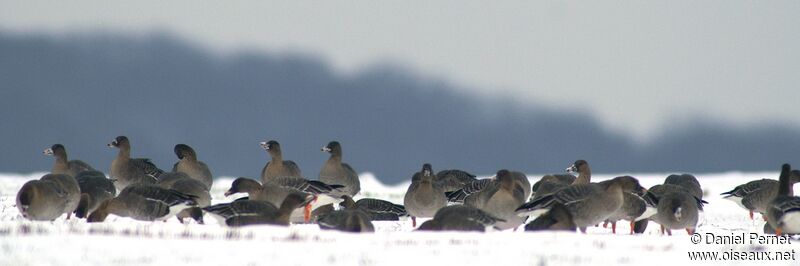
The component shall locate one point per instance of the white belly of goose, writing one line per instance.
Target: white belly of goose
(737, 200)
(648, 211)
(173, 210)
(791, 222)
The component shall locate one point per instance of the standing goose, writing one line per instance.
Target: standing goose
(633, 209)
(126, 171)
(460, 218)
(424, 196)
(95, 188)
(189, 165)
(277, 167)
(549, 184)
(350, 219)
(783, 212)
(335, 172)
(677, 210)
(280, 217)
(380, 210)
(500, 199)
(63, 165)
(145, 203)
(47, 198)
(654, 195)
(452, 180)
(589, 204)
(558, 218)
(181, 182)
(755, 195)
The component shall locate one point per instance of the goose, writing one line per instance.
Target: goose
(276, 190)
(454, 179)
(189, 165)
(589, 204)
(68, 185)
(500, 199)
(549, 184)
(185, 184)
(240, 207)
(783, 212)
(277, 167)
(47, 198)
(677, 210)
(335, 172)
(349, 219)
(424, 196)
(63, 165)
(558, 218)
(460, 218)
(95, 188)
(656, 192)
(126, 171)
(633, 208)
(379, 210)
(755, 195)
(143, 202)
(280, 217)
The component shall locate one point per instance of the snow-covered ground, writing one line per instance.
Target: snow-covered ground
(122, 241)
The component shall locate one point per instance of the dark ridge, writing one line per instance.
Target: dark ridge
(84, 90)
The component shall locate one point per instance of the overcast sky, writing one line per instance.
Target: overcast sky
(638, 67)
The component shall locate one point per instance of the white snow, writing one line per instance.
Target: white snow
(123, 241)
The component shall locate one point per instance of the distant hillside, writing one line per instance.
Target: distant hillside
(84, 90)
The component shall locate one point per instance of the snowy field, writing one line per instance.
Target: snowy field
(122, 241)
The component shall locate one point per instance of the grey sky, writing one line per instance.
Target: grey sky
(638, 67)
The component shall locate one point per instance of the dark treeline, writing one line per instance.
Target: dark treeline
(84, 90)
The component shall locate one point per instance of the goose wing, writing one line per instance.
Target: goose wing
(166, 196)
(381, 206)
(147, 166)
(469, 189)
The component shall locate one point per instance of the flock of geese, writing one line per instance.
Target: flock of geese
(452, 199)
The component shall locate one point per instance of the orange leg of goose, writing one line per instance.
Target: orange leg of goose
(605, 224)
(307, 210)
(690, 231)
(778, 231)
(751, 215)
(632, 225)
(413, 222)
(662, 230)
(614, 228)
